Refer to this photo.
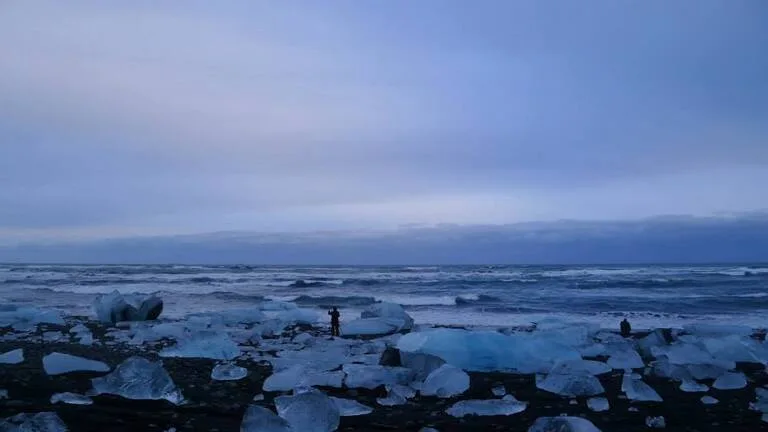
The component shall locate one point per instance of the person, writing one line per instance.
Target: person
(626, 329)
(334, 321)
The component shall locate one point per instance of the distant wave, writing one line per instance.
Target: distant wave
(476, 300)
(361, 282)
(328, 301)
(304, 284)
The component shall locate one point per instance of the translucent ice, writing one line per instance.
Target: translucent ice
(654, 339)
(71, 398)
(228, 372)
(598, 404)
(349, 408)
(705, 371)
(445, 382)
(579, 366)
(691, 386)
(664, 369)
(39, 422)
(12, 357)
(487, 407)
(396, 395)
(298, 316)
(730, 381)
(372, 376)
(570, 385)
(709, 400)
(391, 311)
(655, 422)
(204, 344)
(311, 411)
(421, 364)
(58, 363)
(114, 307)
(371, 327)
(732, 348)
(260, 419)
(637, 390)
(26, 318)
(139, 378)
(302, 375)
(626, 359)
(499, 390)
(562, 424)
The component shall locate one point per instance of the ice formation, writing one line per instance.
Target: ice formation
(349, 408)
(445, 382)
(598, 404)
(396, 395)
(204, 344)
(139, 378)
(71, 398)
(655, 422)
(38, 422)
(26, 318)
(488, 407)
(626, 359)
(12, 357)
(690, 386)
(730, 381)
(391, 311)
(260, 419)
(228, 372)
(114, 307)
(372, 376)
(310, 411)
(421, 364)
(302, 375)
(570, 385)
(58, 363)
(637, 390)
(370, 327)
(563, 424)
(579, 366)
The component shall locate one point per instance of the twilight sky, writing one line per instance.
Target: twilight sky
(140, 118)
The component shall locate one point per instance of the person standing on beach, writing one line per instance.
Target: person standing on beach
(335, 315)
(626, 329)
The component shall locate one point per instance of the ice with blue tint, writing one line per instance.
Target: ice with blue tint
(717, 330)
(705, 371)
(598, 404)
(730, 381)
(396, 395)
(372, 376)
(583, 367)
(351, 408)
(58, 363)
(562, 424)
(446, 381)
(139, 378)
(654, 339)
(391, 311)
(302, 375)
(735, 348)
(260, 419)
(636, 390)
(690, 386)
(204, 344)
(709, 400)
(228, 372)
(625, 359)
(570, 385)
(311, 411)
(26, 318)
(38, 422)
(656, 422)
(371, 327)
(421, 364)
(12, 357)
(683, 353)
(486, 407)
(664, 369)
(71, 398)
(298, 316)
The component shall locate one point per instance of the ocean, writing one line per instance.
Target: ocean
(650, 296)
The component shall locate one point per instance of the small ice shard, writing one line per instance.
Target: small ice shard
(499, 390)
(372, 376)
(562, 424)
(301, 375)
(691, 386)
(626, 359)
(730, 381)
(445, 382)
(38, 422)
(709, 400)
(421, 364)
(258, 397)
(570, 385)
(260, 419)
(487, 407)
(580, 366)
(204, 344)
(598, 404)
(71, 398)
(637, 390)
(349, 408)
(12, 357)
(396, 395)
(139, 378)
(228, 372)
(3, 394)
(389, 311)
(311, 411)
(655, 422)
(58, 363)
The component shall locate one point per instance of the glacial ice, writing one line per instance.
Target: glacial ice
(562, 424)
(656, 422)
(372, 376)
(486, 407)
(709, 400)
(705, 371)
(664, 369)
(717, 330)
(139, 378)
(421, 364)
(396, 395)
(38, 422)
(499, 390)
(58, 363)
(598, 404)
(730, 381)
(637, 390)
(12, 357)
(682, 353)
(114, 307)
(298, 316)
(302, 375)
(260, 419)
(26, 318)
(371, 327)
(654, 339)
(691, 386)
(733, 348)
(579, 366)
(204, 344)
(71, 398)
(269, 328)
(445, 382)
(627, 359)
(302, 338)
(228, 372)
(761, 400)
(349, 408)
(393, 312)
(570, 385)
(311, 411)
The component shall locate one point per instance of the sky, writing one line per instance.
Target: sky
(136, 119)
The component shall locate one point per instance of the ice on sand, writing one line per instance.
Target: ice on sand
(445, 382)
(12, 357)
(487, 407)
(396, 395)
(228, 372)
(626, 359)
(58, 363)
(139, 378)
(598, 404)
(562, 424)
(204, 344)
(371, 327)
(499, 390)
(570, 385)
(260, 419)
(391, 311)
(372, 376)
(709, 400)
(302, 375)
(38, 422)
(421, 364)
(310, 411)
(114, 307)
(638, 391)
(730, 381)
(71, 398)
(579, 366)
(26, 318)
(655, 422)
(691, 386)
(350, 408)
(298, 316)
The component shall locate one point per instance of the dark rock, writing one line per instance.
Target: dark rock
(390, 357)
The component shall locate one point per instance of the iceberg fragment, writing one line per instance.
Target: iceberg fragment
(446, 381)
(705, 371)
(139, 378)
(38, 422)
(579, 366)
(350, 408)
(709, 400)
(487, 407)
(562, 424)
(421, 364)
(71, 398)
(636, 390)
(371, 327)
(260, 419)
(310, 411)
(204, 344)
(392, 311)
(598, 404)
(26, 318)
(626, 359)
(302, 375)
(396, 395)
(228, 372)
(114, 307)
(58, 363)
(730, 381)
(570, 385)
(499, 390)
(12, 357)
(372, 376)
(691, 386)
(655, 422)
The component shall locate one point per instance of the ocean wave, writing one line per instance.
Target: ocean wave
(304, 284)
(328, 301)
(476, 300)
(361, 282)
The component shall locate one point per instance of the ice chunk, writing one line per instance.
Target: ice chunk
(598, 404)
(372, 376)
(627, 359)
(391, 311)
(562, 424)
(258, 397)
(298, 316)
(228, 372)
(39, 422)
(717, 330)
(71, 398)
(53, 336)
(487, 407)
(371, 327)
(301, 375)
(311, 411)
(654, 339)
(428, 429)
(730, 381)
(570, 385)
(705, 371)
(445, 382)
(12, 357)
(26, 318)
(204, 344)
(732, 348)
(709, 400)
(499, 390)
(664, 369)
(655, 422)
(58, 363)
(691, 386)
(579, 366)
(260, 419)
(79, 328)
(139, 378)
(114, 307)
(637, 390)
(690, 354)
(269, 328)
(396, 395)
(349, 408)
(302, 338)
(3, 394)
(421, 364)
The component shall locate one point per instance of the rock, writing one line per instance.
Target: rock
(390, 357)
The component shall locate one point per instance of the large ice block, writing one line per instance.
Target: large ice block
(371, 326)
(204, 344)
(38, 422)
(446, 381)
(310, 411)
(730, 381)
(391, 311)
(372, 376)
(12, 357)
(260, 419)
(139, 378)
(302, 375)
(581, 367)
(636, 390)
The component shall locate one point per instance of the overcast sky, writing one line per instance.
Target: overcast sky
(147, 118)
